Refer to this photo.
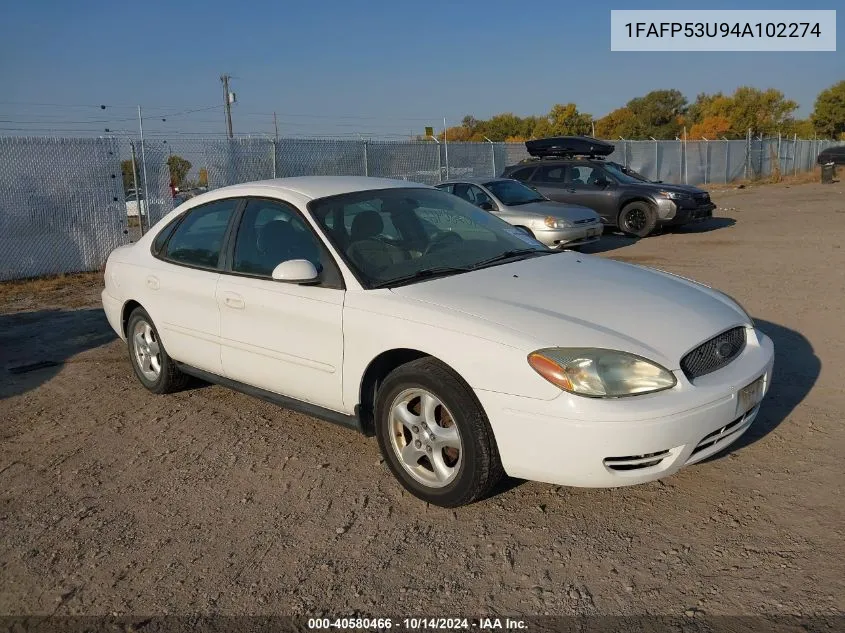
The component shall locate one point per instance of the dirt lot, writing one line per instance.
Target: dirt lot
(115, 500)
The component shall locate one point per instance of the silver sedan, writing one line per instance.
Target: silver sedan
(555, 224)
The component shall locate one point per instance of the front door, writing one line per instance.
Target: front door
(281, 337)
(589, 186)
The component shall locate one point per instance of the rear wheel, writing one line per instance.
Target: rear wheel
(153, 366)
(637, 218)
(435, 436)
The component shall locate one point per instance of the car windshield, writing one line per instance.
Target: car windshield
(392, 237)
(614, 170)
(512, 192)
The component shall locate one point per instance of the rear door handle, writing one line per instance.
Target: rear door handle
(234, 301)
(152, 283)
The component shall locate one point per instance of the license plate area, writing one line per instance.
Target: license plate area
(594, 232)
(750, 396)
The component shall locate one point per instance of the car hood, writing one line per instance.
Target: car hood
(576, 300)
(572, 212)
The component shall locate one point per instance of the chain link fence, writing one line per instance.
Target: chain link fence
(65, 206)
(62, 208)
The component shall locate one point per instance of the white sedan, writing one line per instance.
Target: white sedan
(468, 348)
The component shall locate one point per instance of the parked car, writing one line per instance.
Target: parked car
(467, 347)
(835, 155)
(632, 204)
(554, 224)
(135, 204)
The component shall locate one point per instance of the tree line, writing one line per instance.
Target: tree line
(178, 167)
(666, 114)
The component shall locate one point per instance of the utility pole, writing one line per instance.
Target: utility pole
(276, 126)
(227, 103)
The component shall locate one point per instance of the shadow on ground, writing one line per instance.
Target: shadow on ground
(608, 242)
(712, 224)
(35, 345)
(613, 239)
(796, 370)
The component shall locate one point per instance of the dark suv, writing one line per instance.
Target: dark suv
(635, 205)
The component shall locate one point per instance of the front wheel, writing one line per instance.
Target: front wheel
(637, 218)
(435, 436)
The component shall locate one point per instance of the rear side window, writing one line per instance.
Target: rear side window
(198, 239)
(550, 173)
(523, 174)
(162, 236)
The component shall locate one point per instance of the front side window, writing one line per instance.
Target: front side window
(198, 239)
(436, 233)
(620, 176)
(582, 174)
(269, 234)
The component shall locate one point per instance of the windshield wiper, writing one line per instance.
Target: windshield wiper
(510, 255)
(516, 204)
(425, 273)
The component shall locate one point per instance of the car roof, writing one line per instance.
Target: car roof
(312, 187)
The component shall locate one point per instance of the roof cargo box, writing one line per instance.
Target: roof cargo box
(568, 146)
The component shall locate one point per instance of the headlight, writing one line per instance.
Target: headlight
(675, 195)
(600, 373)
(556, 223)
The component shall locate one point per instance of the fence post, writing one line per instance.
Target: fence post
(366, 161)
(706, 158)
(680, 159)
(747, 153)
(492, 155)
(146, 184)
(273, 145)
(656, 159)
(727, 159)
(795, 154)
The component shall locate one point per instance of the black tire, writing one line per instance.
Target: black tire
(169, 378)
(637, 218)
(526, 229)
(480, 467)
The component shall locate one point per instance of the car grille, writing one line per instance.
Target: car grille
(702, 197)
(586, 221)
(714, 354)
(635, 462)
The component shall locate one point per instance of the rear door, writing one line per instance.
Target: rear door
(550, 180)
(180, 286)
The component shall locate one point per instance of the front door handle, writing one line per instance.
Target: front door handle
(234, 301)
(152, 283)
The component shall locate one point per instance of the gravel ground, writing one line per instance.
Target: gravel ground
(113, 500)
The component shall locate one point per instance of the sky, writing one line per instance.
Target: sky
(346, 67)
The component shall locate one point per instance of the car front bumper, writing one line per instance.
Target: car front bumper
(685, 215)
(595, 443)
(576, 236)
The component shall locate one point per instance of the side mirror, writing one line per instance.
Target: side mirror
(295, 271)
(486, 205)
